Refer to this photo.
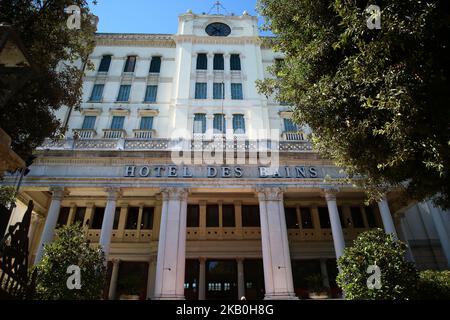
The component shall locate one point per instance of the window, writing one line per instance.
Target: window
(146, 123)
(89, 122)
(291, 218)
(238, 124)
(357, 218)
(236, 91)
(130, 64)
(97, 220)
(79, 215)
(117, 122)
(147, 218)
(219, 124)
(371, 220)
(63, 216)
(290, 126)
(193, 216)
(155, 65)
(199, 123)
(305, 214)
(342, 218)
(228, 217)
(324, 218)
(250, 216)
(97, 92)
(200, 90)
(218, 92)
(105, 63)
(202, 61)
(124, 93)
(212, 216)
(132, 218)
(235, 62)
(150, 93)
(116, 218)
(218, 61)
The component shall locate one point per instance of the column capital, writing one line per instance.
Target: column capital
(270, 193)
(36, 218)
(240, 259)
(174, 193)
(330, 194)
(115, 261)
(202, 259)
(58, 193)
(112, 193)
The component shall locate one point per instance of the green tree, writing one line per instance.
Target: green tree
(398, 278)
(28, 116)
(377, 100)
(70, 248)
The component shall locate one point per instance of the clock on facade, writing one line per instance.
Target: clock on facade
(218, 29)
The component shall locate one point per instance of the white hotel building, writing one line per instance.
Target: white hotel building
(202, 230)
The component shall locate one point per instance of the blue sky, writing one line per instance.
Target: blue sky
(156, 16)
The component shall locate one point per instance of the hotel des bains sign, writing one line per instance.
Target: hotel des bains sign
(246, 172)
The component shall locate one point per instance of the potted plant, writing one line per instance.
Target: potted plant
(316, 288)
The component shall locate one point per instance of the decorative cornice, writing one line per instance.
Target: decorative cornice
(130, 39)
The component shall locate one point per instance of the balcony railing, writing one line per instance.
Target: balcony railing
(113, 133)
(84, 133)
(115, 140)
(293, 136)
(143, 134)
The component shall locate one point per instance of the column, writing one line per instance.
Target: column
(241, 280)
(169, 283)
(36, 221)
(386, 216)
(202, 279)
(50, 222)
(444, 237)
(324, 272)
(151, 278)
(336, 228)
(108, 220)
(113, 282)
(399, 225)
(275, 246)
(227, 77)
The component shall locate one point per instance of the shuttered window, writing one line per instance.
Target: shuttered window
(89, 122)
(97, 93)
(124, 93)
(117, 122)
(235, 62)
(105, 63)
(200, 90)
(150, 93)
(238, 124)
(219, 123)
(290, 126)
(130, 64)
(199, 123)
(218, 62)
(218, 92)
(236, 91)
(202, 61)
(146, 123)
(155, 65)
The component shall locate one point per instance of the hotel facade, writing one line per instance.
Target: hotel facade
(198, 187)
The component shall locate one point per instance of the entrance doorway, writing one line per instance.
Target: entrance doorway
(221, 280)
(254, 279)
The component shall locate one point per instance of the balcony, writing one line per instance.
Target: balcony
(114, 133)
(84, 133)
(293, 136)
(143, 134)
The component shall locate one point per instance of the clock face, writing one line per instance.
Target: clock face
(218, 29)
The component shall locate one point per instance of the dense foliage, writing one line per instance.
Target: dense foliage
(434, 285)
(70, 248)
(42, 25)
(398, 278)
(377, 100)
